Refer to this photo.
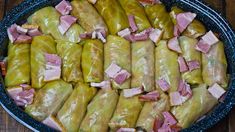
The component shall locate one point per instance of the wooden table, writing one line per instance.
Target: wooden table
(225, 7)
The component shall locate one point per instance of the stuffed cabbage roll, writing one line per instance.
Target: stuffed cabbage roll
(160, 18)
(74, 109)
(200, 103)
(18, 67)
(92, 61)
(48, 19)
(166, 66)
(113, 14)
(133, 7)
(40, 45)
(126, 113)
(214, 66)
(118, 50)
(87, 15)
(194, 30)
(142, 70)
(71, 56)
(152, 111)
(100, 111)
(49, 99)
(190, 54)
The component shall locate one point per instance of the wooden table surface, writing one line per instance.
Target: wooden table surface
(225, 7)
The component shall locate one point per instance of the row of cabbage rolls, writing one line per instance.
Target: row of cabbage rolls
(80, 107)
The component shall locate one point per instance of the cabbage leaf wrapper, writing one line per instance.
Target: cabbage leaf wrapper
(74, 109)
(93, 61)
(113, 14)
(166, 66)
(142, 70)
(118, 50)
(214, 66)
(126, 113)
(18, 65)
(48, 19)
(49, 99)
(40, 45)
(200, 103)
(87, 15)
(191, 54)
(100, 111)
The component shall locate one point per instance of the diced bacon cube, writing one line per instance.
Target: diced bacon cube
(34, 32)
(101, 37)
(132, 23)
(125, 32)
(156, 35)
(12, 33)
(192, 65)
(169, 118)
(184, 19)
(121, 77)
(23, 39)
(157, 124)
(52, 59)
(182, 64)
(175, 98)
(210, 38)
(163, 84)
(13, 92)
(104, 85)
(216, 90)
(141, 37)
(173, 44)
(151, 96)
(65, 23)
(112, 70)
(132, 92)
(21, 30)
(202, 46)
(52, 73)
(64, 7)
(176, 31)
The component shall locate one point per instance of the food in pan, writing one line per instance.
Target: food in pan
(115, 65)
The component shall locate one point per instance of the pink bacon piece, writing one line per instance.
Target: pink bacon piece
(151, 96)
(193, 65)
(173, 44)
(132, 23)
(184, 19)
(163, 84)
(65, 23)
(64, 7)
(132, 92)
(182, 64)
(210, 38)
(12, 33)
(216, 90)
(121, 77)
(203, 46)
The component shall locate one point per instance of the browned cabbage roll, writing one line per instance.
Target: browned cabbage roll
(71, 56)
(200, 103)
(142, 70)
(74, 109)
(118, 50)
(190, 54)
(100, 111)
(40, 45)
(133, 7)
(18, 66)
(166, 66)
(152, 111)
(113, 14)
(49, 99)
(87, 15)
(126, 113)
(160, 18)
(214, 66)
(92, 61)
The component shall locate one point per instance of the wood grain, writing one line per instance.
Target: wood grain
(225, 7)
(230, 12)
